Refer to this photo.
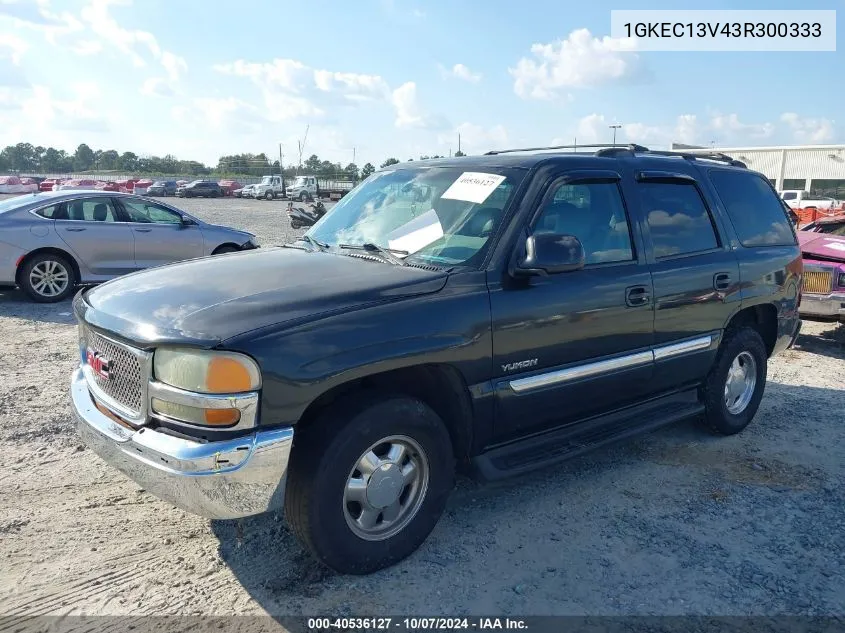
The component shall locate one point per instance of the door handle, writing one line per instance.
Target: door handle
(636, 296)
(75, 229)
(721, 281)
(143, 230)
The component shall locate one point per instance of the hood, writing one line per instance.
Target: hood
(208, 300)
(822, 245)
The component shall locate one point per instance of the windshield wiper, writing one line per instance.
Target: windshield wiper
(387, 253)
(320, 246)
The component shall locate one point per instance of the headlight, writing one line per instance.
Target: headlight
(206, 372)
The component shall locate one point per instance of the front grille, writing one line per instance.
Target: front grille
(126, 379)
(818, 281)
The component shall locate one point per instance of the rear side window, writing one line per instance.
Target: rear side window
(677, 218)
(53, 212)
(758, 217)
(790, 195)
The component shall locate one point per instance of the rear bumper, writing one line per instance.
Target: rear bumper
(219, 480)
(829, 306)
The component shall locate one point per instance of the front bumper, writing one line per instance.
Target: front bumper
(219, 480)
(825, 306)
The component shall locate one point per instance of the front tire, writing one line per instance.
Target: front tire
(269, 195)
(47, 278)
(303, 197)
(734, 388)
(368, 481)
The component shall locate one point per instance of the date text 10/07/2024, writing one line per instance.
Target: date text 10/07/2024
(416, 624)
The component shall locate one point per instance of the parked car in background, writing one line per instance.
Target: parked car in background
(200, 189)
(834, 225)
(823, 294)
(537, 307)
(306, 188)
(162, 188)
(50, 242)
(13, 184)
(78, 183)
(229, 186)
(141, 186)
(47, 184)
(801, 199)
(244, 192)
(107, 186)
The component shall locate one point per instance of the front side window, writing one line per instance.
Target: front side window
(677, 218)
(91, 210)
(595, 214)
(433, 215)
(145, 213)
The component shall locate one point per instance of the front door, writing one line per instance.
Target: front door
(570, 345)
(695, 272)
(160, 235)
(92, 230)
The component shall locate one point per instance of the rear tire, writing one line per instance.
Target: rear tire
(368, 481)
(735, 385)
(48, 278)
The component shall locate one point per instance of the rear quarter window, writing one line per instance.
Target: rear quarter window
(754, 209)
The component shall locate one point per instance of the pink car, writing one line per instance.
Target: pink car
(824, 275)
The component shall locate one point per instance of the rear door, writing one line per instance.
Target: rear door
(570, 345)
(695, 273)
(159, 235)
(92, 230)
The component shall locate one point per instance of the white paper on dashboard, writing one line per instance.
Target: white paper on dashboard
(416, 234)
(835, 245)
(473, 186)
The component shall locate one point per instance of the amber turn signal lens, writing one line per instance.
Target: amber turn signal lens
(222, 417)
(226, 375)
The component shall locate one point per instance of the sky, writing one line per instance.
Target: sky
(374, 79)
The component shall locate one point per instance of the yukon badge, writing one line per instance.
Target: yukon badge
(523, 364)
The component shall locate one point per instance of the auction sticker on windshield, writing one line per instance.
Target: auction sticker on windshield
(473, 186)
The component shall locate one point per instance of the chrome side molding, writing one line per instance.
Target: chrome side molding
(595, 368)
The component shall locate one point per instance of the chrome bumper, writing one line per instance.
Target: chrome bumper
(830, 305)
(218, 480)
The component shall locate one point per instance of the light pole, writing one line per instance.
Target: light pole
(614, 127)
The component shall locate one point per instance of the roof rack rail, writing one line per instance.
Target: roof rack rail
(628, 148)
(717, 156)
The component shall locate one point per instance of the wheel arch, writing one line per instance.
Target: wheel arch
(48, 249)
(763, 317)
(218, 248)
(440, 386)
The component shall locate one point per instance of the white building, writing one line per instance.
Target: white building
(819, 169)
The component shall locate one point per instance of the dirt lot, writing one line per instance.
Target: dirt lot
(677, 522)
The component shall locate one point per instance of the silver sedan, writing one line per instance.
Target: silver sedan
(52, 241)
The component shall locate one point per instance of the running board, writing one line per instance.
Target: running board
(538, 451)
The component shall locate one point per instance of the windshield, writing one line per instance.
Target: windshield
(299, 182)
(442, 216)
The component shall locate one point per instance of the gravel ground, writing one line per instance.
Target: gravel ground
(676, 522)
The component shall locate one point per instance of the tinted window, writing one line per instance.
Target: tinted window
(91, 210)
(753, 206)
(790, 195)
(677, 218)
(146, 212)
(53, 212)
(595, 214)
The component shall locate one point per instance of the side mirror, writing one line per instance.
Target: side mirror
(549, 254)
(186, 221)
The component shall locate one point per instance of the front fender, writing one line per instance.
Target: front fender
(451, 327)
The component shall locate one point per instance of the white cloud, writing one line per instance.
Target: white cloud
(580, 60)
(84, 48)
(45, 112)
(157, 87)
(12, 48)
(731, 125)
(809, 130)
(460, 71)
(139, 46)
(476, 139)
(409, 113)
(686, 129)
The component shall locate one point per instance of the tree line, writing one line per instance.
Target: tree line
(25, 158)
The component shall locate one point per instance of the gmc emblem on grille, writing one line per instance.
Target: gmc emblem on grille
(100, 365)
